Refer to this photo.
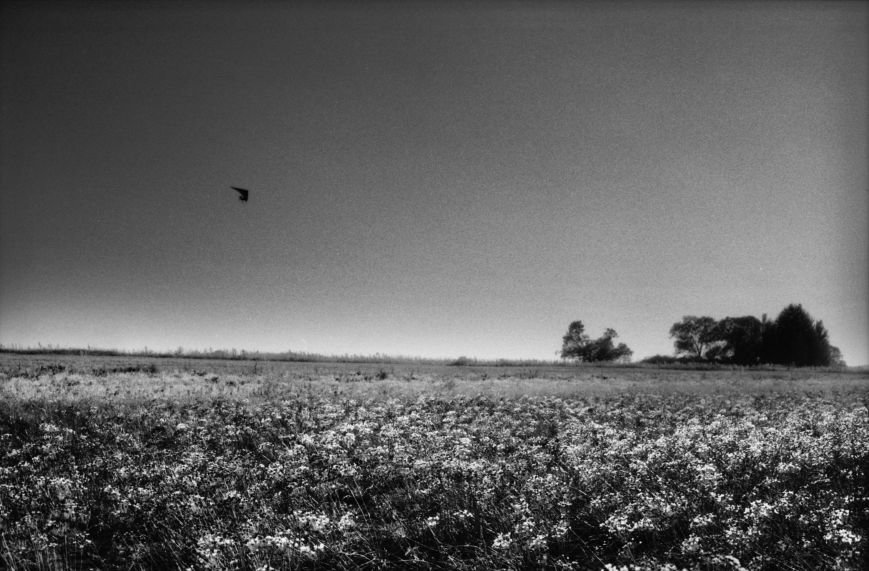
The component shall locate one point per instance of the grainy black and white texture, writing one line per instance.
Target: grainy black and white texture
(429, 179)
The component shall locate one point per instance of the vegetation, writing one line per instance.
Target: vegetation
(738, 340)
(222, 354)
(52, 352)
(796, 339)
(693, 336)
(793, 339)
(331, 467)
(580, 347)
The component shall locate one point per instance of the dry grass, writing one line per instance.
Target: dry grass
(71, 379)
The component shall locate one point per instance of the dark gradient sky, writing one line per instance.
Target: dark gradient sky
(429, 179)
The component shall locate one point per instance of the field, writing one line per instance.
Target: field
(127, 463)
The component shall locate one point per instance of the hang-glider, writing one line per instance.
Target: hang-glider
(242, 193)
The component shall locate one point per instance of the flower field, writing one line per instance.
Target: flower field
(433, 469)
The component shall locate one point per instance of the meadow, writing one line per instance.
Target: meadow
(120, 463)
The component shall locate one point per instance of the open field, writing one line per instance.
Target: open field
(178, 463)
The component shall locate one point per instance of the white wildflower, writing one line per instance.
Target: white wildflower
(502, 541)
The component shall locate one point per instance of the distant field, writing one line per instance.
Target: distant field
(78, 377)
(120, 462)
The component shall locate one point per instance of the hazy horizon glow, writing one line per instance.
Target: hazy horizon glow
(429, 179)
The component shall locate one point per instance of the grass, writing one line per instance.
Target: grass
(211, 465)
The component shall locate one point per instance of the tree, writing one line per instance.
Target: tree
(768, 347)
(577, 345)
(795, 339)
(574, 341)
(820, 351)
(737, 340)
(836, 358)
(694, 336)
(792, 339)
(603, 349)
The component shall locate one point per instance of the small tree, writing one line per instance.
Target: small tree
(577, 345)
(694, 336)
(836, 358)
(574, 341)
(603, 349)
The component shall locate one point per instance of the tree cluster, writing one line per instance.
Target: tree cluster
(580, 347)
(792, 339)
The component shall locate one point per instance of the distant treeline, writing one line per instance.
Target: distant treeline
(220, 354)
(793, 339)
(286, 356)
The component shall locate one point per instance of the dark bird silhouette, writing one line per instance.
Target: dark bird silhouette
(242, 193)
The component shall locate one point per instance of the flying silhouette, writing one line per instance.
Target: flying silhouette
(242, 193)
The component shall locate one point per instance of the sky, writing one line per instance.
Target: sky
(429, 179)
